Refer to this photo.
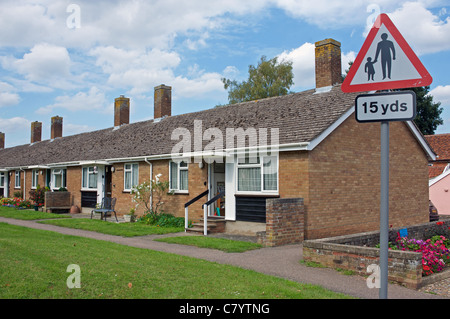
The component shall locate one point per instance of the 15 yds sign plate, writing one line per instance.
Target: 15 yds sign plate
(392, 106)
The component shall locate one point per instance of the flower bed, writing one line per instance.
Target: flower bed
(357, 252)
(435, 250)
(16, 202)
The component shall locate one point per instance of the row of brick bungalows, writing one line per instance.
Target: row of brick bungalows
(304, 145)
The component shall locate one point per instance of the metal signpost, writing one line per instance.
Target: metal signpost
(398, 68)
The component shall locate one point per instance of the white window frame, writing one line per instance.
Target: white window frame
(259, 165)
(130, 170)
(179, 169)
(17, 180)
(34, 178)
(58, 171)
(2, 179)
(90, 170)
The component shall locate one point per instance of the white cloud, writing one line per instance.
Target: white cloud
(303, 60)
(424, 31)
(441, 94)
(45, 64)
(7, 95)
(15, 124)
(81, 101)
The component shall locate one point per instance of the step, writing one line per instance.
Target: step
(216, 224)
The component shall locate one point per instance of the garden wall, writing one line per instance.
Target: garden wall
(285, 222)
(356, 252)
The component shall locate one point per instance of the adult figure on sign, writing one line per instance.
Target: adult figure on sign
(385, 47)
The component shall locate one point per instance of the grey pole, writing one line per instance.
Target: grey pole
(384, 209)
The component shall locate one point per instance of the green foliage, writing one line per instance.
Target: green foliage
(162, 220)
(150, 194)
(269, 78)
(428, 112)
(38, 195)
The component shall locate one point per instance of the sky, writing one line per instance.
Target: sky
(73, 58)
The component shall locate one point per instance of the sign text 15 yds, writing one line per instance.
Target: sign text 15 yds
(393, 106)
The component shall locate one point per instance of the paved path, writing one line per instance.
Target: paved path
(276, 261)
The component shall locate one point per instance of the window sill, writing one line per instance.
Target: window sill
(253, 194)
(177, 192)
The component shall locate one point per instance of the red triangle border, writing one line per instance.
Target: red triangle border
(425, 79)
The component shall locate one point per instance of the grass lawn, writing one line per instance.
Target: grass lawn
(27, 214)
(226, 245)
(33, 265)
(111, 228)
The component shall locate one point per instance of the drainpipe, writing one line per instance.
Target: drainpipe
(151, 174)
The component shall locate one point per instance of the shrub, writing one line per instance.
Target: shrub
(162, 220)
(155, 190)
(38, 196)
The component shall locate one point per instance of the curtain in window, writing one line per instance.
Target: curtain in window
(135, 173)
(270, 173)
(92, 178)
(184, 179)
(85, 177)
(173, 175)
(249, 179)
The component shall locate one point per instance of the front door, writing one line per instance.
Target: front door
(108, 181)
(217, 185)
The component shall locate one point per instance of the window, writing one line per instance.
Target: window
(89, 178)
(256, 175)
(178, 176)
(17, 180)
(58, 178)
(34, 178)
(131, 176)
(2, 180)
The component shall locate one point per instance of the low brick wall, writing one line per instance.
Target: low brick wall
(356, 252)
(285, 222)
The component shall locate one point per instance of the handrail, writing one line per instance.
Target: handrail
(205, 211)
(186, 210)
(196, 198)
(212, 200)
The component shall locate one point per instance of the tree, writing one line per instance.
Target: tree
(428, 116)
(269, 78)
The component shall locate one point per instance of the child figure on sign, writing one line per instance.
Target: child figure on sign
(369, 69)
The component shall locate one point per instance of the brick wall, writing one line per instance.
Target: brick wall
(284, 221)
(344, 179)
(197, 184)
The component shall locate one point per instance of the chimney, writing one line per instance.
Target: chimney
(121, 111)
(2, 140)
(36, 132)
(163, 101)
(57, 127)
(328, 63)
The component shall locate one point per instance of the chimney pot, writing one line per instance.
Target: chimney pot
(121, 111)
(328, 63)
(2, 140)
(57, 127)
(163, 101)
(36, 132)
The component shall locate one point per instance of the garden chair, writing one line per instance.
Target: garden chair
(107, 207)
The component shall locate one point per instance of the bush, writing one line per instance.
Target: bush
(38, 196)
(162, 220)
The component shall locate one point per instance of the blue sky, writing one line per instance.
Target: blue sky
(73, 58)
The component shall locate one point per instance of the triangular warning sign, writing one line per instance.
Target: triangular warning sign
(385, 62)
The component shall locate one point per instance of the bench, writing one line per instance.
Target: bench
(57, 201)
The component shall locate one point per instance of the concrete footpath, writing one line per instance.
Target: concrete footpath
(276, 261)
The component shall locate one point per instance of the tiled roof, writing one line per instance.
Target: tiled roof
(300, 117)
(441, 145)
